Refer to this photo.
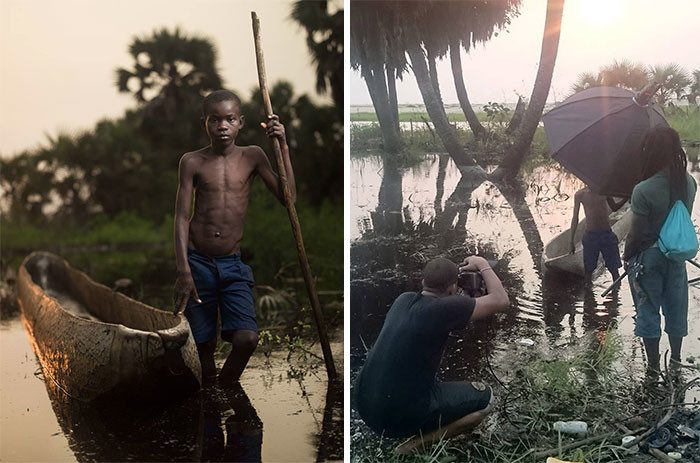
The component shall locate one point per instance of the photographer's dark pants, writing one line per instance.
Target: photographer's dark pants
(448, 402)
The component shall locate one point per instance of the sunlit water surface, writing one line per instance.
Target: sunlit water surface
(284, 411)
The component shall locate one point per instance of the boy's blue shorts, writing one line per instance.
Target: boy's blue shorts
(603, 242)
(661, 283)
(224, 283)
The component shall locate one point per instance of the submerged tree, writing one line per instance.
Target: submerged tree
(427, 34)
(371, 52)
(550, 45)
(472, 23)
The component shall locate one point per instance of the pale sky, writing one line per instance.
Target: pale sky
(594, 33)
(59, 57)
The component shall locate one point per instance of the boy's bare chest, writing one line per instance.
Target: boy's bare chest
(225, 174)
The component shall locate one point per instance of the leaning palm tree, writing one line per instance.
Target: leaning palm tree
(423, 41)
(550, 44)
(324, 39)
(673, 78)
(469, 24)
(170, 69)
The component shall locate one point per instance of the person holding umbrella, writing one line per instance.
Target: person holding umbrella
(656, 281)
(599, 237)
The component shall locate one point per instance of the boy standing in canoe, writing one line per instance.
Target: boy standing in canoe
(211, 278)
(599, 237)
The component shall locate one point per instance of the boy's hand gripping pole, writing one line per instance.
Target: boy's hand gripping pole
(291, 211)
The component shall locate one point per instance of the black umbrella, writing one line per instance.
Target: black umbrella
(597, 135)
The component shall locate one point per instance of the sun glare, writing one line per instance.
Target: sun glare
(601, 12)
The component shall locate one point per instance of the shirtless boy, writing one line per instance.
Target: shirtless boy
(599, 237)
(211, 279)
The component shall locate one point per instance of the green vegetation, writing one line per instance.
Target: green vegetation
(367, 138)
(686, 120)
(596, 384)
(128, 246)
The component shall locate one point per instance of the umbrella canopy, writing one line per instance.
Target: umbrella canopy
(597, 134)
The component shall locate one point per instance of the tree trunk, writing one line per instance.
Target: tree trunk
(440, 183)
(456, 61)
(435, 110)
(376, 84)
(432, 71)
(517, 118)
(514, 193)
(393, 101)
(548, 55)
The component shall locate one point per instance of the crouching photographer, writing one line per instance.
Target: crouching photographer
(396, 392)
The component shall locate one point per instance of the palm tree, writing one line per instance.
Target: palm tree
(673, 79)
(433, 105)
(371, 52)
(694, 90)
(171, 70)
(324, 39)
(586, 80)
(472, 23)
(550, 44)
(623, 74)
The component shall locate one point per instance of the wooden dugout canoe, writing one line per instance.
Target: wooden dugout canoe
(557, 256)
(93, 342)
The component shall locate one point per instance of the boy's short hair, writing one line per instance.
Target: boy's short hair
(439, 274)
(218, 96)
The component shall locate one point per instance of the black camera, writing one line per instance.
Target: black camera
(472, 283)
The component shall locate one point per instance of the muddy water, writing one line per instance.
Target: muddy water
(283, 411)
(401, 217)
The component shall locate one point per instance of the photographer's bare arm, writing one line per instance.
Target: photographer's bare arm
(220, 176)
(496, 300)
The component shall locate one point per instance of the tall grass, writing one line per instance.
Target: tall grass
(686, 120)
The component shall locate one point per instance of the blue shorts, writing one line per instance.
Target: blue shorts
(603, 242)
(225, 285)
(661, 283)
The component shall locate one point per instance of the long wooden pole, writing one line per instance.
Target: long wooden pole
(291, 211)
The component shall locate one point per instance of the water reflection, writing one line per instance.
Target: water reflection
(330, 439)
(216, 424)
(445, 212)
(243, 428)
